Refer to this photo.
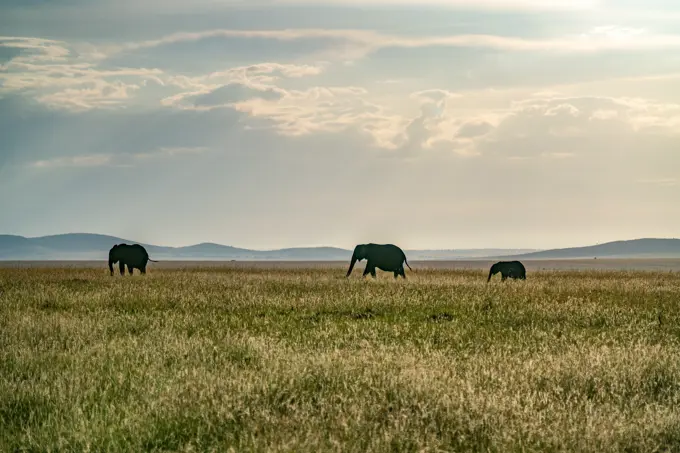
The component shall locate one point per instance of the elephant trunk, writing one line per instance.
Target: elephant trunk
(111, 266)
(351, 265)
(490, 274)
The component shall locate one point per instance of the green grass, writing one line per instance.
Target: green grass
(304, 360)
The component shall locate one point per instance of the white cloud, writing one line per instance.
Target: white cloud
(41, 50)
(99, 94)
(171, 152)
(360, 43)
(49, 72)
(56, 74)
(613, 32)
(447, 124)
(258, 78)
(467, 4)
(117, 160)
(94, 160)
(564, 128)
(177, 6)
(317, 109)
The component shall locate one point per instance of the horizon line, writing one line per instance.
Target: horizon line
(532, 249)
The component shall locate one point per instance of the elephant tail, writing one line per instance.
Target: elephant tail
(407, 263)
(154, 261)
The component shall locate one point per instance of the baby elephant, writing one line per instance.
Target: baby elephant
(512, 269)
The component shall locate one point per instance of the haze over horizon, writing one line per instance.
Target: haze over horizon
(432, 125)
(329, 245)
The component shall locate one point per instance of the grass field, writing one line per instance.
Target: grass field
(257, 358)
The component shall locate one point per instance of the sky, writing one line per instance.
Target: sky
(279, 123)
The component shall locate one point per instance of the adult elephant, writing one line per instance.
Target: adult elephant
(511, 269)
(387, 257)
(132, 256)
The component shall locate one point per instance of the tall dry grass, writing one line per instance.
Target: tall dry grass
(304, 360)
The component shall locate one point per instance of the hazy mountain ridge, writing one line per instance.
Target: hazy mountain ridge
(86, 246)
(635, 248)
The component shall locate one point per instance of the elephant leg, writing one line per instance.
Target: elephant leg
(503, 277)
(396, 274)
(121, 268)
(402, 272)
(370, 269)
(129, 269)
(142, 270)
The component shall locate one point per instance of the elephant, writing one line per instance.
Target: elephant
(512, 269)
(387, 257)
(132, 256)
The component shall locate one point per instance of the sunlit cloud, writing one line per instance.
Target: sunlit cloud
(117, 160)
(360, 43)
(93, 160)
(477, 4)
(482, 108)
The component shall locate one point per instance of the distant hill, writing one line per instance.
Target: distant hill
(86, 246)
(635, 248)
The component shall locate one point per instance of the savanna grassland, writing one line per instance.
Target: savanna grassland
(300, 359)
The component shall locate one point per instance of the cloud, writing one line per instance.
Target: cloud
(115, 160)
(566, 127)
(224, 88)
(58, 77)
(223, 96)
(261, 74)
(166, 152)
(95, 160)
(554, 128)
(429, 120)
(235, 92)
(95, 94)
(40, 50)
(32, 133)
(213, 6)
(545, 125)
(434, 95)
(341, 109)
(419, 104)
(476, 4)
(474, 129)
(502, 5)
(317, 109)
(79, 77)
(354, 43)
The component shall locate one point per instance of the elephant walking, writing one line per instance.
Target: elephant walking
(512, 269)
(387, 257)
(132, 256)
